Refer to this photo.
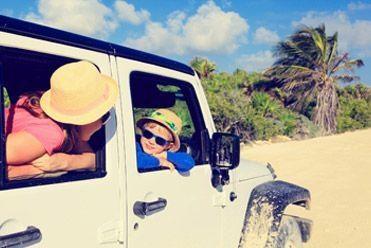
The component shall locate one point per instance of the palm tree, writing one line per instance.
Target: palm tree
(264, 105)
(308, 69)
(203, 67)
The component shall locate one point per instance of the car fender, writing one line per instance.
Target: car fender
(265, 208)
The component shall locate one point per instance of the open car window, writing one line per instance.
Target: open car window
(151, 92)
(28, 71)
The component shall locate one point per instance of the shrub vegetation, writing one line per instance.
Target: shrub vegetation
(239, 106)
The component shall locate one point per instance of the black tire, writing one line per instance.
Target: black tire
(289, 235)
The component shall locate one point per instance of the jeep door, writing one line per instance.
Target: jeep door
(183, 207)
(75, 209)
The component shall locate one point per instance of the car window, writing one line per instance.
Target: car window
(26, 71)
(152, 92)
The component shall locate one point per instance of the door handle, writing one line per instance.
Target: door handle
(142, 209)
(25, 238)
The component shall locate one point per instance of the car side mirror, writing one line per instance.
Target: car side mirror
(225, 151)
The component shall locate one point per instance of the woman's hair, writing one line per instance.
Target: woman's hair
(71, 141)
(30, 101)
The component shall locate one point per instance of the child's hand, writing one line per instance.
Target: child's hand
(167, 164)
(161, 155)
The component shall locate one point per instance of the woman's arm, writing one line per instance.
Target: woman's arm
(22, 147)
(23, 172)
(85, 159)
(65, 162)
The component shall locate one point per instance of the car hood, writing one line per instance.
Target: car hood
(250, 169)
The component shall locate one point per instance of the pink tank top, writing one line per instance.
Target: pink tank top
(48, 132)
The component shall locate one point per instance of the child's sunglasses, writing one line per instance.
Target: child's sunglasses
(159, 140)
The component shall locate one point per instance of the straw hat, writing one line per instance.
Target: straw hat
(167, 119)
(79, 94)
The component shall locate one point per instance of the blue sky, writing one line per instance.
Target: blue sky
(232, 33)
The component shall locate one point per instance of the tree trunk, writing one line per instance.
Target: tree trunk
(325, 112)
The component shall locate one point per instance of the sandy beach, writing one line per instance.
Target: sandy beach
(337, 171)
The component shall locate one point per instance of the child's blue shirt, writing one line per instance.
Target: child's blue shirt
(181, 160)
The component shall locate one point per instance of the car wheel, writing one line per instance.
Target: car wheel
(289, 235)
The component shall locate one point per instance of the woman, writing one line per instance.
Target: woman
(41, 130)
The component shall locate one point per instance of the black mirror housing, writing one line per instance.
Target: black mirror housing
(225, 151)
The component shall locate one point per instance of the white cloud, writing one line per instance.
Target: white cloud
(126, 12)
(84, 17)
(353, 36)
(158, 38)
(359, 6)
(175, 21)
(265, 36)
(255, 62)
(210, 30)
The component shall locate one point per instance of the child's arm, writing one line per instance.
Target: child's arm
(183, 162)
(147, 161)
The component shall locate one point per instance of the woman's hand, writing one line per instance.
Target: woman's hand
(53, 163)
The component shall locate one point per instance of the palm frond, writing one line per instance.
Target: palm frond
(294, 54)
(346, 78)
(347, 64)
(289, 71)
(320, 43)
(333, 43)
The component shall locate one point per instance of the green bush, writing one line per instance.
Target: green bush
(289, 122)
(255, 116)
(229, 104)
(265, 128)
(354, 108)
(353, 114)
(237, 107)
(271, 118)
(264, 105)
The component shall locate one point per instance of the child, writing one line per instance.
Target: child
(160, 142)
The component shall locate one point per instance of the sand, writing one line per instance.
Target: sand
(337, 171)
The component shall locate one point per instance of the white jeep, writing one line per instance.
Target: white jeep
(222, 202)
